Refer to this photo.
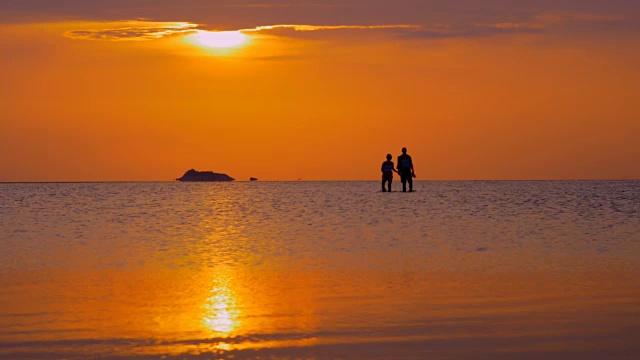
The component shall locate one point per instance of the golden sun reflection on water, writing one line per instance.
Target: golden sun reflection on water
(222, 312)
(221, 315)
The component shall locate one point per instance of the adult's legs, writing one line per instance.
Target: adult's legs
(404, 182)
(410, 179)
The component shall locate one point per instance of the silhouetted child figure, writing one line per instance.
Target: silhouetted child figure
(388, 168)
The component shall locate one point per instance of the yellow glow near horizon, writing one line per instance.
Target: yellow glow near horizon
(220, 39)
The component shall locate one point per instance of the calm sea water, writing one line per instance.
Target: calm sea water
(456, 270)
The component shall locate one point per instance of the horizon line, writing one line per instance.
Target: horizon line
(298, 181)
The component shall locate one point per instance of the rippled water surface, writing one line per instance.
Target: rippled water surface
(456, 270)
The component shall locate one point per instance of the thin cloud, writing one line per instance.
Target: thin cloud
(472, 31)
(148, 31)
(314, 31)
(541, 23)
(153, 31)
(329, 27)
(317, 31)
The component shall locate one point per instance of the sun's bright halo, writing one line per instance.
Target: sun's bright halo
(220, 39)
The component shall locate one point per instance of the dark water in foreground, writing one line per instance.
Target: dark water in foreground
(457, 270)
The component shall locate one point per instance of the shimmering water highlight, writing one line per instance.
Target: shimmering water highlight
(511, 270)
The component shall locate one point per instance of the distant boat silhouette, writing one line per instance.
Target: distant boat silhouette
(204, 176)
(253, 179)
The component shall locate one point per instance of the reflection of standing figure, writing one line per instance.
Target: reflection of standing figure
(387, 172)
(405, 169)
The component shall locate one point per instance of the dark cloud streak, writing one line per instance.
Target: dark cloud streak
(137, 33)
(469, 32)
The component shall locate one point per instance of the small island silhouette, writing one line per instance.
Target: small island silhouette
(204, 176)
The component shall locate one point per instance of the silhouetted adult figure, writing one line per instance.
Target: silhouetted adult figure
(405, 168)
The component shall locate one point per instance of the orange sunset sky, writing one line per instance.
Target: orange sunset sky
(319, 90)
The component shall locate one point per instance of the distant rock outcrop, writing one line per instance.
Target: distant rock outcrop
(253, 179)
(194, 175)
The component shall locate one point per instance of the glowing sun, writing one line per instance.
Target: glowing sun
(221, 39)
